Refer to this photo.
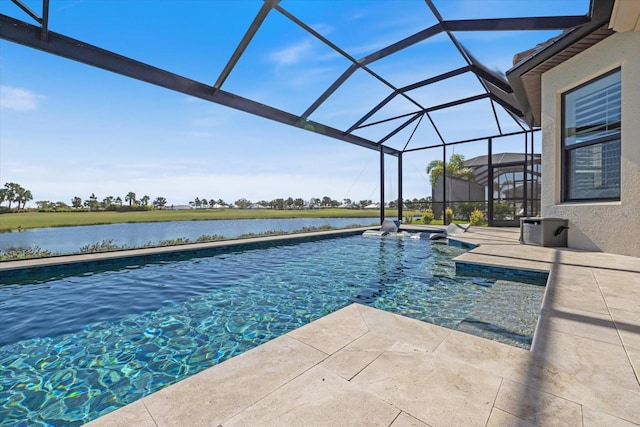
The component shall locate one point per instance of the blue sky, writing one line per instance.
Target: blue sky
(67, 129)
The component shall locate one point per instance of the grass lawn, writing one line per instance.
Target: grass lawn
(26, 220)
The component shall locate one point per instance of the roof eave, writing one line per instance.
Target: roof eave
(599, 15)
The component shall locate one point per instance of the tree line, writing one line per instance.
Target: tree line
(130, 202)
(313, 203)
(17, 197)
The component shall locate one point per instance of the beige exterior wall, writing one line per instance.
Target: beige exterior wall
(600, 226)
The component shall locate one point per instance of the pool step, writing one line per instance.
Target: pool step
(506, 313)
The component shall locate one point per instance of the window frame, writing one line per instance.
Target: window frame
(566, 150)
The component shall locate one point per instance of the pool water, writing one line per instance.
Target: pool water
(76, 347)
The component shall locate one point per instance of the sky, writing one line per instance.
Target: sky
(68, 129)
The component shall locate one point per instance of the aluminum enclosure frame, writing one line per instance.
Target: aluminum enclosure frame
(496, 88)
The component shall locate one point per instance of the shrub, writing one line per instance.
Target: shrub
(464, 210)
(25, 253)
(104, 246)
(427, 216)
(408, 219)
(267, 233)
(448, 216)
(209, 238)
(503, 210)
(312, 229)
(476, 217)
(174, 242)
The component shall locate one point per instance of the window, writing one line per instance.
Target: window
(591, 140)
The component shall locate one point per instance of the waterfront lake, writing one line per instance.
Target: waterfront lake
(66, 240)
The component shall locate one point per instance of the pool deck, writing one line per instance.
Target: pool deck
(362, 366)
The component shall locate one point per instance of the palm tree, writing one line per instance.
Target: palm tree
(92, 202)
(145, 200)
(159, 202)
(130, 197)
(23, 196)
(10, 192)
(455, 168)
(107, 201)
(243, 203)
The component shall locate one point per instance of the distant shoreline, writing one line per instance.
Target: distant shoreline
(30, 220)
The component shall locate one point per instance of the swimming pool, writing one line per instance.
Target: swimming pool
(75, 347)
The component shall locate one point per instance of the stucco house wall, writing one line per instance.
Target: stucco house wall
(601, 226)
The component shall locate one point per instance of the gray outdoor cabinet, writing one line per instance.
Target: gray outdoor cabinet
(550, 232)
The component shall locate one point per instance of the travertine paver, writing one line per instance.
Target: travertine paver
(535, 406)
(634, 356)
(323, 334)
(216, 395)
(500, 418)
(628, 325)
(350, 360)
(134, 414)
(382, 369)
(593, 325)
(523, 367)
(406, 420)
(317, 398)
(590, 361)
(399, 329)
(591, 418)
(438, 391)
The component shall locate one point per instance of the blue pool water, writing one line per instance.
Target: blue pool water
(75, 347)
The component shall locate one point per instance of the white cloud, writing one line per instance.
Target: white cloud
(17, 99)
(323, 28)
(290, 55)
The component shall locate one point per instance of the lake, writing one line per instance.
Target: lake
(66, 240)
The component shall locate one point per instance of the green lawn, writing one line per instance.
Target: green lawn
(26, 220)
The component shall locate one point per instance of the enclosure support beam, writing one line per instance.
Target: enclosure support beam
(381, 184)
(490, 181)
(400, 187)
(525, 183)
(532, 182)
(444, 184)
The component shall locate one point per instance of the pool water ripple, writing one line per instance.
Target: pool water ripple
(90, 344)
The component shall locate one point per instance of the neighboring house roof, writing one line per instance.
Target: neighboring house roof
(507, 162)
(526, 75)
(500, 159)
